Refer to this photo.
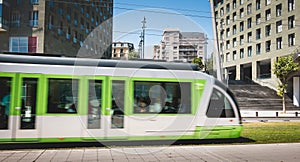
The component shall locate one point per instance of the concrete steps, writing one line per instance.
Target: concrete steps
(255, 97)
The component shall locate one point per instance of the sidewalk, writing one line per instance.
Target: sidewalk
(258, 152)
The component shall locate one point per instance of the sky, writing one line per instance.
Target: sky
(187, 16)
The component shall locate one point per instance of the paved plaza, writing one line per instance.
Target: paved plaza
(256, 152)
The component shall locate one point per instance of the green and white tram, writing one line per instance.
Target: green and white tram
(51, 99)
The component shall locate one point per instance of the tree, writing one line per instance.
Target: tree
(133, 54)
(209, 66)
(198, 61)
(282, 68)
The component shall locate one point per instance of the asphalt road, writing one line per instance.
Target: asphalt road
(253, 152)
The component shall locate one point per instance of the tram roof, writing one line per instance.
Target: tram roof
(68, 61)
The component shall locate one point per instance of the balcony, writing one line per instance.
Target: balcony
(188, 49)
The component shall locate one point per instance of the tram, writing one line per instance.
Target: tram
(58, 99)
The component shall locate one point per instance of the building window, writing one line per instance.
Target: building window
(278, 26)
(68, 14)
(258, 4)
(278, 10)
(268, 30)
(242, 14)
(234, 55)
(249, 9)
(241, 39)
(18, 44)
(1, 14)
(242, 53)
(222, 47)
(291, 22)
(75, 36)
(234, 42)
(242, 26)
(34, 1)
(50, 22)
(249, 23)
(62, 96)
(227, 32)
(60, 11)
(221, 12)
(279, 43)
(34, 17)
(75, 21)
(234, 16)
(291, 40)
(249, 39)
(268, 2)
(228, 44)
(234, 4)
(268, 14)
(268, 46)
(59, 30)
(241, 2)
(234, 29)
(258, 19)
(222, 34)
(249, 51)
(227, 57)
(68, 33)
(23, 44)
(291, 5)
(15, 18)
(258, 34)
(258, 48)
(228, 8)
(228, 20)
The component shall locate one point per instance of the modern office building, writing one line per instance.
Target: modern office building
(68, 28)
(252, 34)
(120, 50)
(180, 46)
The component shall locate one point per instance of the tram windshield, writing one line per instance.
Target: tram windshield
(219, 106)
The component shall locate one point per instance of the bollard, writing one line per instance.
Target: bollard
(296, 114)
(276, 114)
(256, 113)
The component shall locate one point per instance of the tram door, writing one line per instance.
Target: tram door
(95, 122)
(18, 105)
(27, 103)
(116, 126)
(6, 104)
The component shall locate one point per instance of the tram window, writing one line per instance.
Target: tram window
(219, 106)
(162, 97)
(118, 92)
(62, 95)
(5, 83)
(94, 104)
(28, 107)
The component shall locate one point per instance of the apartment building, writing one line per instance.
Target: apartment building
(252, 34)
(120, 50)
(67, 28)
(180, 46)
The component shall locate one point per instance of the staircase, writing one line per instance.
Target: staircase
(254, 97)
